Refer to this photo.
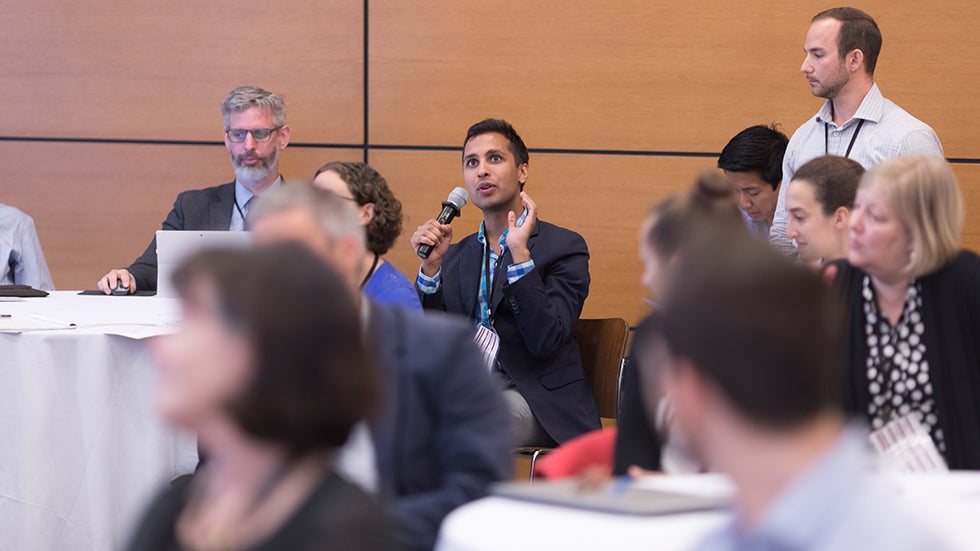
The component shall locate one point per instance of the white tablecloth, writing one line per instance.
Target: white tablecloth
(950, 503)
(81, 449)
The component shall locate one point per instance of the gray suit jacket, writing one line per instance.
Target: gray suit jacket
(198, 209)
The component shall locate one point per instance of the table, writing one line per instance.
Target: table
(950, 503)
(81, 448)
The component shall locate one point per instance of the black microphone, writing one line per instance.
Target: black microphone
(450, 210)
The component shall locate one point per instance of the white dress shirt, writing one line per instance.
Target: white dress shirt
(888, 132)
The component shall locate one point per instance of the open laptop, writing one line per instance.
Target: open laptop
(174, 246)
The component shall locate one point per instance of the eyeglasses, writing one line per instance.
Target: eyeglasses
(237, 135)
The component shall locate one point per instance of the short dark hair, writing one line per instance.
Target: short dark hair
(368, 186)
(764, 330)
(502, 127)
(312, 378)
(834, 179)
(681, 219)
(758, 148)
(858, 31)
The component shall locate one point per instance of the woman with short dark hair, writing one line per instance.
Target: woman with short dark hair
(270, 370)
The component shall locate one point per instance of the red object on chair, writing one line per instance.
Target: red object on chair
(572, 457)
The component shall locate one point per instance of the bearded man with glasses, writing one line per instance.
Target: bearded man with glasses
(255, 133)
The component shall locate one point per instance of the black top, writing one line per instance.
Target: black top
(337, 515)
(637, 443)
(951, 332)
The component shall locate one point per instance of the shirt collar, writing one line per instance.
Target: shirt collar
(801, 510)
(243, 195)
(503, 237)
(870, 109)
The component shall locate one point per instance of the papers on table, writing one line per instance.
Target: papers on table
(132, 317)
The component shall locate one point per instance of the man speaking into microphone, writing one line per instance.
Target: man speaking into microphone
(523, 283)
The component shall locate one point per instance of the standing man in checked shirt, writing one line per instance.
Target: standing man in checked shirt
(842, 49)
(523, 283)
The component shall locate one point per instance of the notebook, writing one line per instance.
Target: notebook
(611, 497)
(174, 246)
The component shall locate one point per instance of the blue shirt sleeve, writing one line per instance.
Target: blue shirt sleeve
(429, 285)
(517, 271)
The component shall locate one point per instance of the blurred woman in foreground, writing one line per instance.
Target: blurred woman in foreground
(913, 303)
(269, 369)
(708, 211)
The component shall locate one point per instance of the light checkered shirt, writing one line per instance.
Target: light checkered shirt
(889, 131)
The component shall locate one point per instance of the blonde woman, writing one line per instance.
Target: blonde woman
(913, 303)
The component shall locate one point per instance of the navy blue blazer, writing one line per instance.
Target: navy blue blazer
(443, 434)
(198, 209)
(535, 318)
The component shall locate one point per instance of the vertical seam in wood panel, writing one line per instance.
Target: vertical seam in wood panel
(365, 84)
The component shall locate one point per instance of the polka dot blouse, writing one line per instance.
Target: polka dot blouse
(897, 369)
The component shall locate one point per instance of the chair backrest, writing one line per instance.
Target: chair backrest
(602, 343)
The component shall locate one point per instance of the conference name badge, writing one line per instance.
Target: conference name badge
(489, 343)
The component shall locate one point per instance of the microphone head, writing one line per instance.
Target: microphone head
(458, 197)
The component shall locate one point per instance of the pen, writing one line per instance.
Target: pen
(5, 316)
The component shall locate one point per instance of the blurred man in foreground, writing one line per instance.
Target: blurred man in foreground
(750, 356)
(442, 436)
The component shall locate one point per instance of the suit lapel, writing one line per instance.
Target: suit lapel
(221, 206)
(498, 279)
(470, 264)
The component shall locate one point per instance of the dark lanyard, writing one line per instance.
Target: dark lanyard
(854, 137)
(374, 266)
(486, 276)
(240, 213)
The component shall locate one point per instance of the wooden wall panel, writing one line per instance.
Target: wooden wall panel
(653, 75)
(604, 198)
(96, 206)
(969, 177)
(649, 75)
(122, 69)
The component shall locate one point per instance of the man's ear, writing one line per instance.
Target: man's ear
(367, 213)
(522, 175)
(841, 218)
(347, 255)
(284, 136)
(855, 60)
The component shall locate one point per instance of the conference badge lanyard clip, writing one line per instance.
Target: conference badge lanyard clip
(486, 337)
